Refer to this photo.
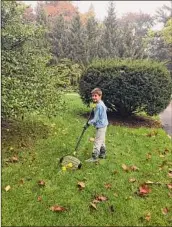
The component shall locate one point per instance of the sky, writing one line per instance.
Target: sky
(122, 7)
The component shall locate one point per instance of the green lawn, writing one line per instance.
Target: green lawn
(57, 137)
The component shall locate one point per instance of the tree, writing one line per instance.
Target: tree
(27, 83)
(41, 15)
(133, 30)
(110, 33)
(92, 32)
(58, 36)
(163, 14)
(77, 51)
(167, 32)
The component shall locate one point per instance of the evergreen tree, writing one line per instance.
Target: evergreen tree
(77, 36)
(58, 37)
(110, 33)
(91, 36)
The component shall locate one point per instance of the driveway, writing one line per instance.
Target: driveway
(166, 119)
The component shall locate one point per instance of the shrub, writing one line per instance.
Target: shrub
(128, 86)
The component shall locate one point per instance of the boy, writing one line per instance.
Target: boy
(100, 122)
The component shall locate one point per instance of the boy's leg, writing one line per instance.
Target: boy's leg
(103, 147)
(99, 139)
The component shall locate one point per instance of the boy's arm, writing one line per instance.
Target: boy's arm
(96, 117)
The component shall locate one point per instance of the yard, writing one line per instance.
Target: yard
(132, 187)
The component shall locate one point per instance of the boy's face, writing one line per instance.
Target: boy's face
(96, 98)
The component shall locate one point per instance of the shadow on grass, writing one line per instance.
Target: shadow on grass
(18, 134)
(134, 121)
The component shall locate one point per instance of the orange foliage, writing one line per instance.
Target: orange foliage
(61, 7)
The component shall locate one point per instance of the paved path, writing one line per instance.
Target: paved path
(166, 119)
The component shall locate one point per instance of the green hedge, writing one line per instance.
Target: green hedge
(128, 86)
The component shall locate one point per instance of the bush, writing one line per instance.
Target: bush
(128, 86)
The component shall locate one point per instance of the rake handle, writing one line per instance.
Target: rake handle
(79, 140)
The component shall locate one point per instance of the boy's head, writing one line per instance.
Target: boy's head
(96, 95)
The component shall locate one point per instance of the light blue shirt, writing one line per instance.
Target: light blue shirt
(100, 116)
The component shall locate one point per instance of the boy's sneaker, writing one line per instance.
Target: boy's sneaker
(92, 160)
(103, 156)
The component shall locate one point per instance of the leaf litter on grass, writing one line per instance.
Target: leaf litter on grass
(57, 208)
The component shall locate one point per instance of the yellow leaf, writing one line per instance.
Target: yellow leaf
(7, 188)
(64, 168)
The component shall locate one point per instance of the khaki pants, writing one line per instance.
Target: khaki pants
(99, 143)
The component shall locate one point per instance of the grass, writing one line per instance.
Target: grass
(56, 137)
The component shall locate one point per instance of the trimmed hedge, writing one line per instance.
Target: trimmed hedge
(128, 86)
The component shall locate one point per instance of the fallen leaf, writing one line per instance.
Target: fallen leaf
(41, 183)
(7, 188)
(134, 168)
(170, 175)
(165, 210)
(161, 156)
(57, 208)
(39, 198)
(101, 198)
(81, 185)
(125, 168)
(170, 194)
(131, 180)
(115, 194)
(169, 136)
(148, 217)
(144, 190)
(93, 205)
(21, 181)
(91, 139)
(14, 159)
(169, 186)
(149, 182)
(148, 156)
(108, 186)
(95, 201)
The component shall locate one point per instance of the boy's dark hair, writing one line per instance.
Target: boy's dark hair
(97, 91)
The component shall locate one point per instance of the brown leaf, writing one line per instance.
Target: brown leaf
(148, 217)
(125, 167)
(41, 183)
(108, 186)
(170, 175)
(39, 198)
(81, 185)
(131, 180)
(169, 186)
(134, 168)
(57, 208)
(170, 194)
(93, 206)
(7, 188)
(144, 190)
(101, 198)
(165, 210)
(21, 181)
(14, 159)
